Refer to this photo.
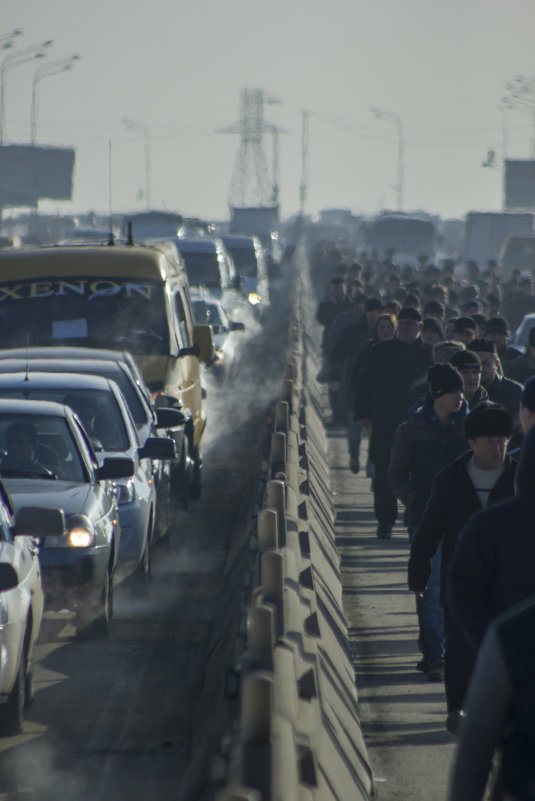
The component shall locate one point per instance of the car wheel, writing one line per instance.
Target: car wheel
(11, 713)
(95, 621)
(181, 481)
(144, 570)
(195, 489)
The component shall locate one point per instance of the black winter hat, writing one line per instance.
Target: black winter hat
(488, 419)
(483, 346)
(408, 313)
(373, 304)
(497, 324)
(465, 324)
(465, 359)
(444, 378)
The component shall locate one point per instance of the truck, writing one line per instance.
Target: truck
(487, 231)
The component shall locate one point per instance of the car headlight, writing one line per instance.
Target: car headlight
(254, 298)
(80, 537)
(125, 492)
(79, 533)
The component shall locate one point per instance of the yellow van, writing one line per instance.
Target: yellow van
(125, 297)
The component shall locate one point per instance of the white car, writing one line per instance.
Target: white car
(21, 602)
(522, 332)
(210, 311)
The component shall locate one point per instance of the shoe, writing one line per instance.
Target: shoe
(454, 720)
(384, 533)
(423, 665)
(436, 671)
(354, 465)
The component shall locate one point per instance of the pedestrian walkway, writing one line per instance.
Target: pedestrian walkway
(403, 714)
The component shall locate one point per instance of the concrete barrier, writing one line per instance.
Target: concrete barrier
(285, 712)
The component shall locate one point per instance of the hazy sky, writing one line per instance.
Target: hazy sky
(178, 69)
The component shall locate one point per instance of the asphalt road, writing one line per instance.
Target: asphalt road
(111, 718)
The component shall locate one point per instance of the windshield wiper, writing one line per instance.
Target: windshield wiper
(19, 472)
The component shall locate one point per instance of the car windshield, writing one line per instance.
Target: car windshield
(35, 446)
(202, 269)
(93, 312)
(245, 261)
(97, 409)
(206, 313)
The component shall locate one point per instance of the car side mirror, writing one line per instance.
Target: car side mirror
(204, 338)
(36, 521)
(167, 417)
(116, 467)
(235, 326)
(157, 448)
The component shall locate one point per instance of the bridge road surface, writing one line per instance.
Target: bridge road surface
(403, 714)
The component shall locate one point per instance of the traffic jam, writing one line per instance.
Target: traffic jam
(107, 354)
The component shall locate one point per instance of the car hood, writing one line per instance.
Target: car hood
(67, 495)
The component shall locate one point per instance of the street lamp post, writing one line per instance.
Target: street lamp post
(46, 71)
(138, 126)
(13, 60)
(390, 115)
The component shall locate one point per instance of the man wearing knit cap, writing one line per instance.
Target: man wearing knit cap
(479, 479)
(468, 364)
(383, 396)
(465, 330)
(428, 441)
(497, 331)
(500, 389)
(492, 568)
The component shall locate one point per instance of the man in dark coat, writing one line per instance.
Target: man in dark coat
(430, 439)
(523, 367)
(480, 478)
(383, 396)
(493, 567)
(468, 364)
(497, 331)
(500, 390)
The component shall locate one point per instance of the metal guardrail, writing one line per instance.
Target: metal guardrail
(279, 707)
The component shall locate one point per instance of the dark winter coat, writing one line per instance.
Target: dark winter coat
(522, 368)
(422, 447)
(453, 502)
(503, 390)
(383, 393)
(493, 567)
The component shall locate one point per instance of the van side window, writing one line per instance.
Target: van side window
(185, 339)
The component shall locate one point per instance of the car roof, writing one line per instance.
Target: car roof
(58, 380)
(202, 245)
(33, 407)
(245, 242)
(90, 367)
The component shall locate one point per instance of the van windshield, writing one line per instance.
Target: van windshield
(91, 311)
(202, 269)
(245, 261)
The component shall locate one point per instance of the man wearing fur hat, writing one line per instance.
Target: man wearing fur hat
(477, 480)
(428, 441)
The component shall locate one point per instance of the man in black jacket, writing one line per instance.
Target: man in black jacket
(478, 479)
(383, 396)
(493, 567)
(500, 390)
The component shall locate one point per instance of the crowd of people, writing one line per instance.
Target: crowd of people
(420, 361)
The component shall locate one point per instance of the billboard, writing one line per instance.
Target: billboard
(29, 174)
(519, 184)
